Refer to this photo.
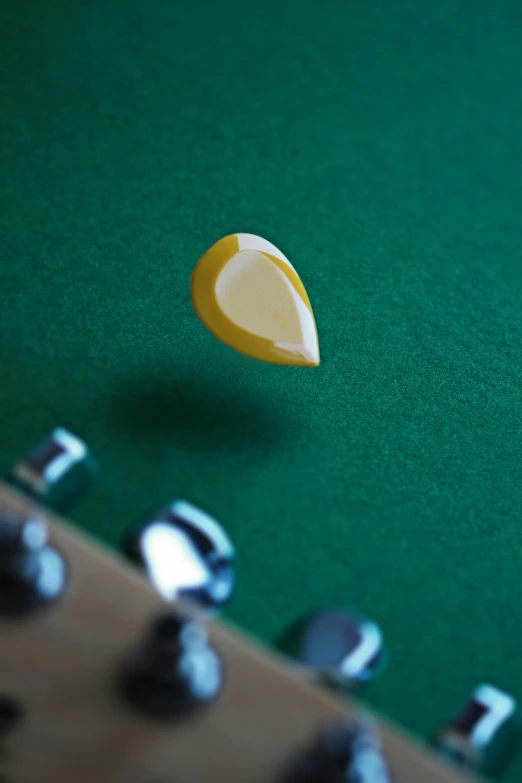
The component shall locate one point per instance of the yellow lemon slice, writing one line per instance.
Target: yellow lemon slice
(248, 294)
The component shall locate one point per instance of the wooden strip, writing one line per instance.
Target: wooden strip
(61, 665)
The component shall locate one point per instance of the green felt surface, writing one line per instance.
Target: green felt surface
(379, 145)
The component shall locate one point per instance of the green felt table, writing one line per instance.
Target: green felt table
(379, 145)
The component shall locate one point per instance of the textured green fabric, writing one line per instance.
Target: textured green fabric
(379, 145)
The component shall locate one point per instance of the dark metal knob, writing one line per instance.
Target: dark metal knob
(341, 753)
(32, 573)
(174, 670)
(11, 714)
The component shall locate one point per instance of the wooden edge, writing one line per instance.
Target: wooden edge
(61, 665)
